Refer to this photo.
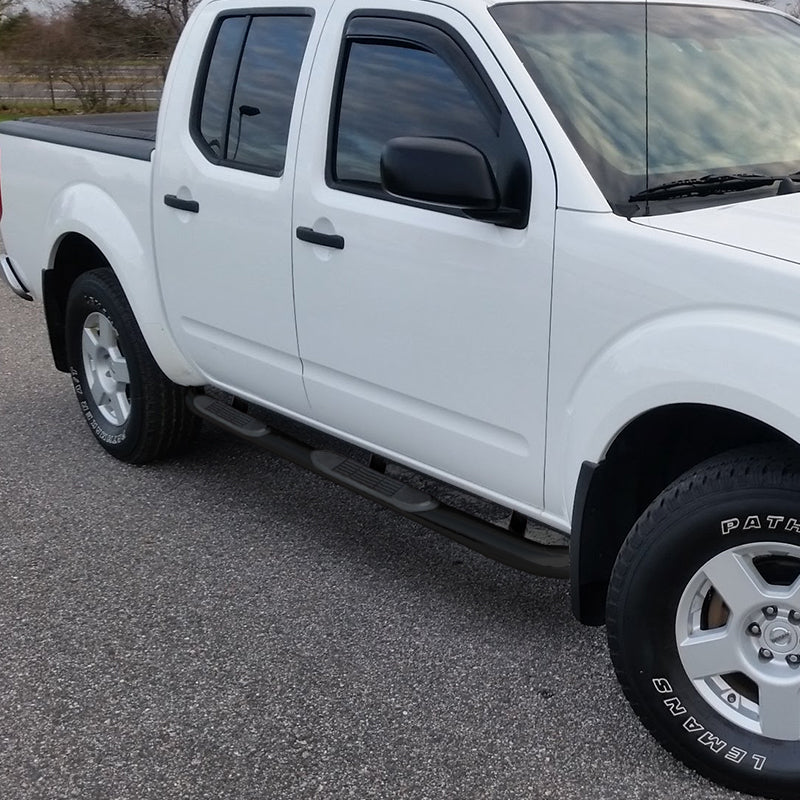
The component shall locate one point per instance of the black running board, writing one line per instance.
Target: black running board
(491, 540)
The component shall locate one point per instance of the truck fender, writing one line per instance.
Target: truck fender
(87, 210)
(660, 364)
(658, 370)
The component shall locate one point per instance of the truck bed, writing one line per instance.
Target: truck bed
(131, 135)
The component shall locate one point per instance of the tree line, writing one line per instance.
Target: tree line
(92, 46)
(105, 51)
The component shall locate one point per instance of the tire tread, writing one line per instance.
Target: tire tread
(167, 424)
(770, 466)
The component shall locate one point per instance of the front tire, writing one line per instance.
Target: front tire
(704, 621)
(134, 411)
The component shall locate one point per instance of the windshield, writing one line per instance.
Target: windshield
(722, 85)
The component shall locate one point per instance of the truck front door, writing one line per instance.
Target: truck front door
(423, 331)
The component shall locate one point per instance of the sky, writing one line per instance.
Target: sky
(43, 5)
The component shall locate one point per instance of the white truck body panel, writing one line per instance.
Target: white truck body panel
(641, 331)
(423, 307)
(228, 285)
(586, 298)
(106, 199)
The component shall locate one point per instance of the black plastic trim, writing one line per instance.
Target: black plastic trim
(362, 478)
(113, 143)
(54, 315)
(127, 124)
(325, 239)
(14, 281)
(477, 534)
(173, 201)
(588, 580)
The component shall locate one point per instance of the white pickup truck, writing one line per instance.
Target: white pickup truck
(545, 252)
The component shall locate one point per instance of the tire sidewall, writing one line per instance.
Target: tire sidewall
(654, 678)
(90, 295)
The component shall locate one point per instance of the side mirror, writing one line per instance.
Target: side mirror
(446, 172)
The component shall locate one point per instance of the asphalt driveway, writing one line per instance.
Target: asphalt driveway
(228, 626)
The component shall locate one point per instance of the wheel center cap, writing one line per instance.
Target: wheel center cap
(780, 638)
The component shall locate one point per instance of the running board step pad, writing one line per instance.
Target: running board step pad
(366, 480)
(343, 470)
(485, 537)
(228, 417)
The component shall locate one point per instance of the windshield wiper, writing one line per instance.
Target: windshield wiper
(709, 184)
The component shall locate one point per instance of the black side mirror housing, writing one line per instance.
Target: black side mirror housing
(445, 172)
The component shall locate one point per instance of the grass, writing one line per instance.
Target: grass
(9, 111)
(15, 111)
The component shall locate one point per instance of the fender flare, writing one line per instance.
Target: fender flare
(628, 382)
(88, 211)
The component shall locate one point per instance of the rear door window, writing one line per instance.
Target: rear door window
(245, 105)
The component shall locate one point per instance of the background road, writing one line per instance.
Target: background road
(140, 86)
(228, 626)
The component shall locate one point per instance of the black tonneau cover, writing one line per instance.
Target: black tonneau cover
(131, 135)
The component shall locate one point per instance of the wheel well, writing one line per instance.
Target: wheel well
(650, 453)
(75, 255)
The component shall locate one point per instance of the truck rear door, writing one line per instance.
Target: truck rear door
(222, 195)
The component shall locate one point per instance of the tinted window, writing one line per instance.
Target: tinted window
(249, 94)
(660, 93)
(391, 91)
(262, 103)
(219, 82)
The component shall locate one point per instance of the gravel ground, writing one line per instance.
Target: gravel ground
(228, 626)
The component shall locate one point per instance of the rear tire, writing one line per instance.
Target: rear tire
(704, 621)
(134, 411)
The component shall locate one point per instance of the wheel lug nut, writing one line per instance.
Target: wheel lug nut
(765, 654)
(793, 658)
(731, 698)
(754, 629)
(794, 616)
(770, 611)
